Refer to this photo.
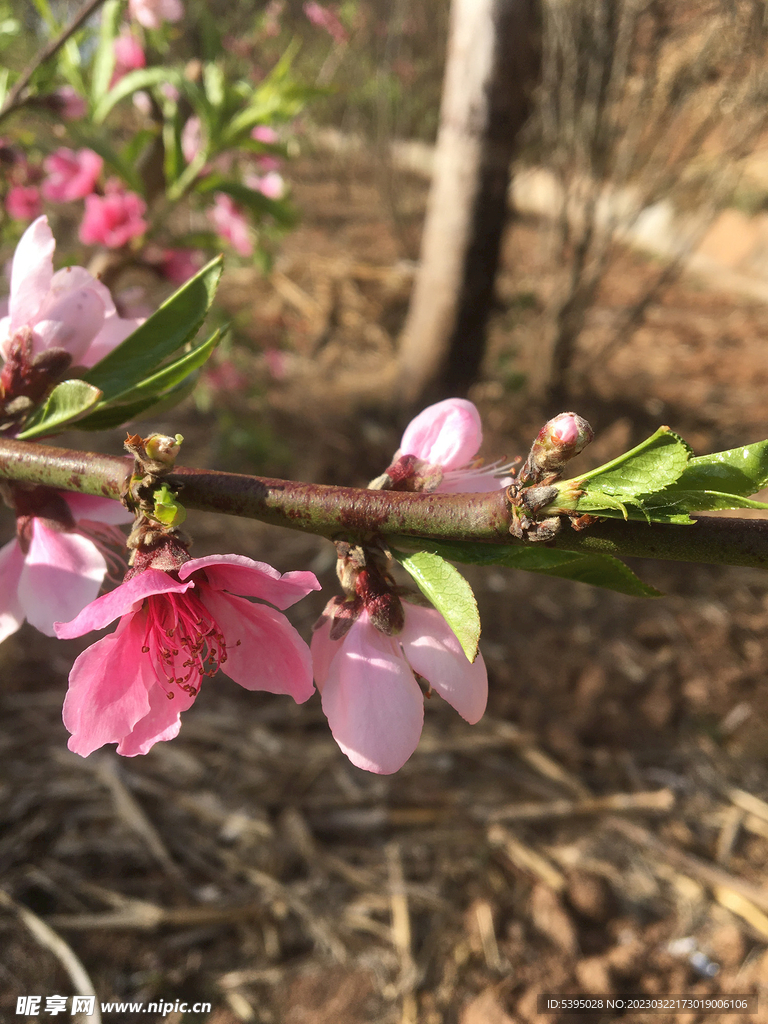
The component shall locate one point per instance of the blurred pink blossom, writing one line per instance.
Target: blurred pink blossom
(270, 25)
(370, 693)
(231, 223)
(71, 104)
(56, 563)
(191, 138)
(71, 174)
(152, 13)
(268, 163)
(68, 309)
(270, 185)
(113, 219)
(277, 362)
(23, 202)
(129, 55)
(178, 265)
(130, 687)
(263, 133)
(328, 19)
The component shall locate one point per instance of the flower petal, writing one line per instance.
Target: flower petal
(243, 576)
(323, 650)
(11, 565)
(433, 651)
(71, 322)
(62, 573)
(31, 272)
(446, 434)
(372, 702)
(162, 721)
(264, 651)
(99, 510)
(117, 602)
(115, 330)
(107, 693)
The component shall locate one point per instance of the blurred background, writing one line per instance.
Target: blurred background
(589, 228)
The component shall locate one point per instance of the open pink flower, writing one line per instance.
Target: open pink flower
(23, 202)
(176, 627)
(438, 452)
(230, 222)
(69, 309)
(71, 174)
(152, 13)
(113, 219)
(371, 698)
(56, 564)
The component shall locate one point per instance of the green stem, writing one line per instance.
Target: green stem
(357, 513)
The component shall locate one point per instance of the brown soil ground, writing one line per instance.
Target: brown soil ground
(603, 830)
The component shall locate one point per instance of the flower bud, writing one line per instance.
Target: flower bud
(558, 441)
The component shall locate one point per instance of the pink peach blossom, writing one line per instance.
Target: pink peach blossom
(176, 627)
(327, 19)
(370, 694)
(152, 13)
(271, 185)
(71, 174)
(113, 219)
(129, 55)
(68, 309)
(442, 444)
(23, 202)
(230, 222)
(55, 566)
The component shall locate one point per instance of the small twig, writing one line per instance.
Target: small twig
(48, 939)
(658, 801)
(15, 99)
(524, 858)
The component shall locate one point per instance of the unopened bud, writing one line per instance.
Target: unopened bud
(162, 448)
(559, 440)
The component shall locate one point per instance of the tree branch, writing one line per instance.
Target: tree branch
(357, 513)
(15, 99)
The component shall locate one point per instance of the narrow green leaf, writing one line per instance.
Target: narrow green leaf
(66, 403)
(112, 416)
(143, 78)
(450, 593)
(104, 59)
(174, 324)
(595, 569)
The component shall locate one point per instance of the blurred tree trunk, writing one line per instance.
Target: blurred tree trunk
(492, 64)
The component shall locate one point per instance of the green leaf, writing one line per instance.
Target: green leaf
(450, 593)
(67, 402)
(595, 569)
(104, 60)
(174, 324)
(652, 465)
(116, 415)
(143, 78)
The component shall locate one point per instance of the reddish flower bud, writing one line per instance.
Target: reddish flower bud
(558, 441)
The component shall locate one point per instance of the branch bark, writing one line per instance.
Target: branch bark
(397, 516)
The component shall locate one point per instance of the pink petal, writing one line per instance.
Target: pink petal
(372, 702)
(31, 272)
(107, 693)
(125, 598)
(162, 721)
(11, 612)
(70, 279)
(114, 331)
(99, 510)
(447, 434)
(62, 573)
(323, 650)
(242, 575)
(433, 651)
(72, 322)
(264, 651)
